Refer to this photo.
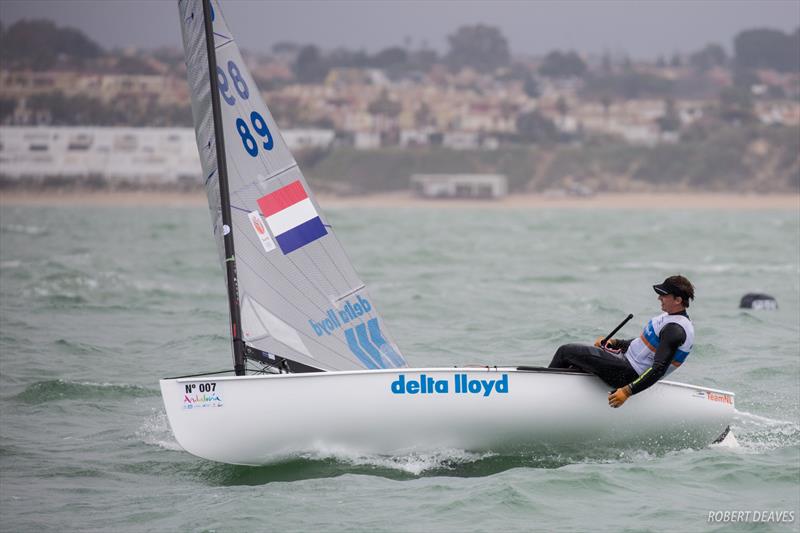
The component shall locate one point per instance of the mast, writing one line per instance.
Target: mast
(222, 171)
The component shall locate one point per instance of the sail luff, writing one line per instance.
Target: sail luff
(222, 171)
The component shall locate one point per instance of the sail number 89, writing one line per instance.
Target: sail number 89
(260, 126)
(256, 120)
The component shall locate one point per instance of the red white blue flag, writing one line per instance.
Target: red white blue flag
(291, 217)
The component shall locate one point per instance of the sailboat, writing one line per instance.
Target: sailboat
(314, 365)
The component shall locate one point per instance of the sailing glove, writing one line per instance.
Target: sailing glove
(618, 397)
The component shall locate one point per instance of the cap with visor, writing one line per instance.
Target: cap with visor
(668, 287)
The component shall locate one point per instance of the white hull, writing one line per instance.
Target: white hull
(258, 419)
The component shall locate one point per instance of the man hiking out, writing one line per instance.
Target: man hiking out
(631, 366)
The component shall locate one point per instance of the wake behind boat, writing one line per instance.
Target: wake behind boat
(315, 367)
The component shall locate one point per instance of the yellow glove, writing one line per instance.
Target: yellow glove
(618, 397)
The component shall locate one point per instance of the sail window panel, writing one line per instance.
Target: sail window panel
(252, 328)
(279, 329)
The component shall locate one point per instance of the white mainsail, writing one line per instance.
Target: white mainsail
(299, 297)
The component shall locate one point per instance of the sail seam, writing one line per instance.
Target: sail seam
(279, 172)
(349, 294)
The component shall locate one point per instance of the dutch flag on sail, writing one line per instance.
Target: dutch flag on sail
(291, 217)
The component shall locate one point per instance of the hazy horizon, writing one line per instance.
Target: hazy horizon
(638, 29)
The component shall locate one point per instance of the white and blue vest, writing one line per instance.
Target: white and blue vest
(642, 349)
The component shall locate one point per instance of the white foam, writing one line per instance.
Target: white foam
(26, 230)
(155, 431)
(414, 463)
(759, 434)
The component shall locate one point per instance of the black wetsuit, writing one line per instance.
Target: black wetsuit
(615, 369)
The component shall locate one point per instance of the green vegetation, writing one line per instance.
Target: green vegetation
(65, 111)
(765, 48)
(40, 45)
(728, 159)
(563, 65)
(483, 48)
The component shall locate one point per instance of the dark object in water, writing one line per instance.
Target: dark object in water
(754, 300)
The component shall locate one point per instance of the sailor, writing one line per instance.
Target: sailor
(631, 366)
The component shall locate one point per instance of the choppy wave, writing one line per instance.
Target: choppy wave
(58, 390)
(759, 434)
(23, 229)
(155, 431)
(714, 268)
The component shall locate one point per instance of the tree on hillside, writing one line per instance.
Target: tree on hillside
(423, 116)
(7, 107)
(383, 105)
(562, 107)
(534, 127)
(736, 105)
(483, 48)
(765, 48)
(628, 85)
(670, 120)
(38, 44)
(558, 64)
(310, 67)
(713, 55)
(531, 87)
(388, 58)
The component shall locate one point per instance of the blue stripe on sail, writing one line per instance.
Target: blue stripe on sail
(380, 342)
(358, 352)
(299, 236)
(361, 331)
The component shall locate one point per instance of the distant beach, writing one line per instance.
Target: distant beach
(403, 199)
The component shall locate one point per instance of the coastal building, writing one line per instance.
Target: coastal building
(117, 156)
(487, 186)
(299, 139)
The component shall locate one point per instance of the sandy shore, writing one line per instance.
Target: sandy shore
(700, 200)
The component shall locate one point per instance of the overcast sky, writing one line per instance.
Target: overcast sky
(640, 28)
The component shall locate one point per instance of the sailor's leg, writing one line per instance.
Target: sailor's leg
(567, 354)
(613, 369)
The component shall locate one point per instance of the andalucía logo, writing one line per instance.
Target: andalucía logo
(201, 399)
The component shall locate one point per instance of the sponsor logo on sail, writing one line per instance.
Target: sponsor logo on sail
(334, 318)
(291, 217)
(365, 339)
(261, 231)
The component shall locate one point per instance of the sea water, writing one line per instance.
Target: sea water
(98, 303)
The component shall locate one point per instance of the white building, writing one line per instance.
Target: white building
(139, 155)
(131, 155)
(461, 140)
(367, 140)
(487, 186)
(308, 138)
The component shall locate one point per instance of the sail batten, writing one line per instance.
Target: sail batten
(296, 291)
